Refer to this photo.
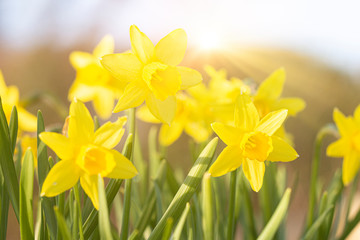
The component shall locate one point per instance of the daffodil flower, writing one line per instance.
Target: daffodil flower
(10, 98)
(93, 82)
(251, 142)
(348, 146)
(151, 73)
(85, 154)
(268, 98)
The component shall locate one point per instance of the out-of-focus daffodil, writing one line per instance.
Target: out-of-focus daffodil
(10, 98)
(85, 154)
(151, 73)
(348, 146)
(93, 82)
(251, 142)
(28, 141)
(268, 99)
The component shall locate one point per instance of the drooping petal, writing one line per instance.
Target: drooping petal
(82, 92)
(338, 148)
(293, 105)
(105, 46)
(141, 45)
(189, 77)
(123, 169)
(351, 165)
(282, 151)
(246, 114)
(27, 121)
(228, 134)
(144, 114)
(60, 144)
(228, 160)
(199, 131)
(254, 172)
(104, 102)
(344, 124)
(272, 87)
(81, 59)
(61, 177)
(110, 134)
(171, 49)
(3, 86)
(133, 96)
(125, 67)
(90, 186)
(81, 125)
(162, 110)
(169, 134)
(12, 95)
(272, 122)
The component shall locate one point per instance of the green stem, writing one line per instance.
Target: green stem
(231, 219)
(77, 199)
(326, 130)
(126, 212)
(351, 197)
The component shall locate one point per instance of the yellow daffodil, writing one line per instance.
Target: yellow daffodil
(151, 73)
(28, 141)
(85, 154)
(10, 98)
(251, 142)
(348, 146)
(93, 82)
(268, 98)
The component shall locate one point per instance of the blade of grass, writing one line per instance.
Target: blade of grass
(179, 227)
(63, 228)
(187, 189)
(231, 219)
(167, 231)
(207, 206)
(278, 216)
(104, 220)
(316, 225)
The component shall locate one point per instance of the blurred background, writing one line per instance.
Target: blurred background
(317, 42)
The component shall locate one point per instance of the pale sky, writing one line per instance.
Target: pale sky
(328, 30)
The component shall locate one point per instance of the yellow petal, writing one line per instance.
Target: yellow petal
(141, 45)
(228, 160)
(344, 124)
(144, 114)
(82, 92)
(105, 46)
(199, 131)
(162, 110)
(123, 66)
(110, 134)
(104, 102)
(171, 49)
(90, 186)
(351, 165)
(272, 122)
(228, 134)
(12, 95)
(27, 121)
(81, 125)
(123, 169)
(189, 77)
(254, 172)
(81, 59)
(338, 148)
(169, 134)
(282, 151)
(61, 177)
(60, 144)
(357, 114)
(3, 86)
(246, 114)
(133, 96)
(293, 105)
(272, 87)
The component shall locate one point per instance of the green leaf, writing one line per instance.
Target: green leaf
(26, 196)
(181, 223)
(4, 210)
(187, 189)
(47, 204)
(207, 206)
(317, 224)
(13, 128)
(167, 230)
(7, 163)
(277, 217)
(63, 228)
(104, 223)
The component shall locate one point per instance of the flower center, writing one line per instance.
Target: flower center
(161, 79)
(94, 160)
(258, 146)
